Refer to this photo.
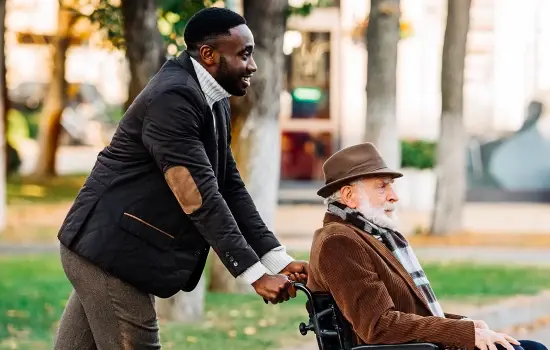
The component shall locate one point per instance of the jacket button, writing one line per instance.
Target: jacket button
(235, 264)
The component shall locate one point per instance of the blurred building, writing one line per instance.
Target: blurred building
(507, 64)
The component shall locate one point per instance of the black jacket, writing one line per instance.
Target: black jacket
(165, 190)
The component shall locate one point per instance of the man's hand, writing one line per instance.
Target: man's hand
(296, 271)
(480, 324)
(274, 288)
(486, 339)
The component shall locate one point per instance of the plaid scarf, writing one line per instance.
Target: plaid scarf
(399, 247)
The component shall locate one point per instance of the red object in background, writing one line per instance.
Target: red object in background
(303, 155)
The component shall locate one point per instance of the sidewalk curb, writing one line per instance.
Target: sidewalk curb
(510, 316)
(24, 248)
(515, 312)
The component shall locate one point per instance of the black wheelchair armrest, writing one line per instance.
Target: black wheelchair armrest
(408, 346)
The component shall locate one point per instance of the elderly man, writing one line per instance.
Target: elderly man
(371, 271)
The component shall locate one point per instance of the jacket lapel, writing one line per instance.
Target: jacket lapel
(385, 253)
(221, 111)
(220, 138)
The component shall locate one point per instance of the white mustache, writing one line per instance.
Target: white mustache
(389, 206)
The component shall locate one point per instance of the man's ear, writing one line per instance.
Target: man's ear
(348, 196)
(207, 55)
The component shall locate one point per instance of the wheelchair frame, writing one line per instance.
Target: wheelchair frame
(333, 331)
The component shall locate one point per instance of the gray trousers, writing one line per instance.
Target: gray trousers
(104, 312)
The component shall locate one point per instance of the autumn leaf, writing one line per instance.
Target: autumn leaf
(250, 330)
(192, 339)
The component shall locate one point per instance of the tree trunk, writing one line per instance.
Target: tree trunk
(146, 54)
(451, 150)
(382, 39)
(144, 44)
(183, 307)
(3, 124)
(50, 118)
(255, 129)
(3, 86)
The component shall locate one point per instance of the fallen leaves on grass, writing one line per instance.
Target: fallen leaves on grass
(192, 339)
(17, 314)
(33, 191)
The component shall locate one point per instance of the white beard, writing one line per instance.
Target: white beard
(378, 216)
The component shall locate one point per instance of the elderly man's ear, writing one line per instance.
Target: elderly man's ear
(349, 197)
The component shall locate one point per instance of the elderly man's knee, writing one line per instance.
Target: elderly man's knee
(531, 345)
(525, 345)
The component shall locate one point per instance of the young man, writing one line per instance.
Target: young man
(372, 272)
(162, 193)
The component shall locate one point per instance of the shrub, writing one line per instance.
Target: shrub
(418, 154)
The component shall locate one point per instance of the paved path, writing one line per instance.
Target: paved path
(542, 335)
(28, 248)
(535, 257)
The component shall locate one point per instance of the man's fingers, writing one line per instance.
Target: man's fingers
(283, 295)
(492, 346)
(292, 291)
(511, 340)
(502, 341)
(481, 345)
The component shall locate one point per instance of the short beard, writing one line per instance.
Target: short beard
(378, 215)
(224, 78)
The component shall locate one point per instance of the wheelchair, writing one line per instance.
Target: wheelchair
(333, 331)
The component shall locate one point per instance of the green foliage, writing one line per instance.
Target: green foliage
(418, 154)
(18, 128)
(173, 17)
(22, 125)
(108, 17)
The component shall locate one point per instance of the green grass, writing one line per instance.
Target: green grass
(22, 190)
(33, 290)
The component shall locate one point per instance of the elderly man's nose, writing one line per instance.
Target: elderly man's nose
(392, 196)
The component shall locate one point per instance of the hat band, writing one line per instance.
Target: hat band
(357, 170)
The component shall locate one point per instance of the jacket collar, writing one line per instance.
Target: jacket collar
(212, 91)
(211, 88)
(184, 60)
(381, 249)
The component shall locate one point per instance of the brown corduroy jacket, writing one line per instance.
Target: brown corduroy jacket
(374, 291)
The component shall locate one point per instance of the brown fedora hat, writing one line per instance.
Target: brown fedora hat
(352, 163)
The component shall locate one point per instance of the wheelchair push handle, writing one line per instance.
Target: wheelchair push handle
(299, 286)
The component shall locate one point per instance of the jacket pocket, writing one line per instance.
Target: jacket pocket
(146, 231)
